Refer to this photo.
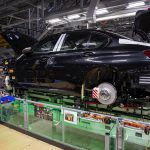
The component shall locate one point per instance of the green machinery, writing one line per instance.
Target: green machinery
(93, 126)
(81, 125)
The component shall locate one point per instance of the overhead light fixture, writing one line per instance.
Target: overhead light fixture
(53, 21)
(49, 28)
(74, 16)
(101, 11)
(135, 4)
(116, 16)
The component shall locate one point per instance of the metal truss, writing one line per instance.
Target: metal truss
(29, 16)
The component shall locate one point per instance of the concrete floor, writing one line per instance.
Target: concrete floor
(13, 140)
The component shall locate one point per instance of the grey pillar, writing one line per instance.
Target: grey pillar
(91, 16)
(120, 138)
(107, 141)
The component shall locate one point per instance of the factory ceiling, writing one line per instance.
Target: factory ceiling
(33, 17)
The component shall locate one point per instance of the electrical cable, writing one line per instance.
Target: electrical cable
(111, 129)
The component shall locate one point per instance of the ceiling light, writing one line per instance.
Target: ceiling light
(52, 21)
(101, 11)
(116, 16)
(74, 16)
(135, 4)
(49, 28)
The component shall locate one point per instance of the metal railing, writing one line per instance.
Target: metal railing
(72, 128)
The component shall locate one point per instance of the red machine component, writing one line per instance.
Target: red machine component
(104, 119)
(125, 123)
(95, 93)
(138, 125)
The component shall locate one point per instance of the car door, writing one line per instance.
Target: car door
(78, 54)
(98, 47)
(30, 68)
(68, 61)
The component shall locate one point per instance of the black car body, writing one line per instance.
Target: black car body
(80, 60)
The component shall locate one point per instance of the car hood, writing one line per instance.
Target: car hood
(18, 41)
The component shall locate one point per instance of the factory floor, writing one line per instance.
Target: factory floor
(14, 140)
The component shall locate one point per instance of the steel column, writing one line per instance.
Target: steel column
(29, 19)
(107, 141)
(120, 138)
(25, 109)
(91, 16)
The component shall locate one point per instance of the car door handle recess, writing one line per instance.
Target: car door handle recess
(43, 59)
(88, 54)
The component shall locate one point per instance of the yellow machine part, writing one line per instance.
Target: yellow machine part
(3, 42)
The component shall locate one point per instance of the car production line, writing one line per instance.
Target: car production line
(66, 134)
(84, 89)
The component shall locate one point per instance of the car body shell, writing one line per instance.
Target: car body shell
(73, 65)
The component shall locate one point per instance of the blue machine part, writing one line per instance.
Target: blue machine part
(6, 99)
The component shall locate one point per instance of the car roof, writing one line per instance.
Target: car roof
(110, 33)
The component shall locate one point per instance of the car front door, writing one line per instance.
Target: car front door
(30, 68)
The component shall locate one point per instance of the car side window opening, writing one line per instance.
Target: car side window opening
(98, 40)
(76, 40)
(84, 40)
(47, 45)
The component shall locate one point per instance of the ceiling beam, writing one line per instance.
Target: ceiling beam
(16, 17)
(91, 16)
(11, 4)
(117, 2)
(13, 13)
(18, 23)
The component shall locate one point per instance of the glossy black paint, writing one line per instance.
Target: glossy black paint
(72, 65)
(18, 41)
(118, 64)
